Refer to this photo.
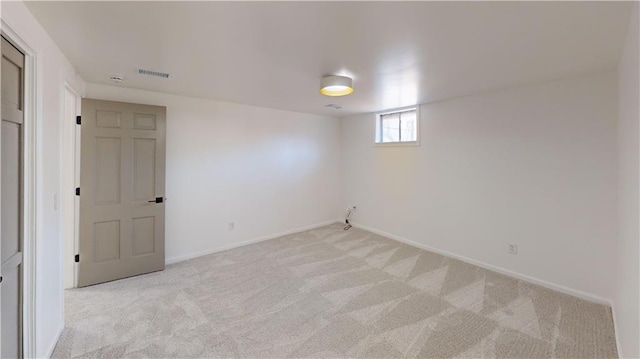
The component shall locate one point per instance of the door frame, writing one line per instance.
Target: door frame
(32, 148)
(69, 202)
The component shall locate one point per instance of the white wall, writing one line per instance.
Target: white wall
(626, 297)
(52, 70)
(534, 166)
(269, 171)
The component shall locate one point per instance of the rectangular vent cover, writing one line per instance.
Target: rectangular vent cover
(164, 75)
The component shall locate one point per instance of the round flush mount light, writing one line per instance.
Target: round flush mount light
(336, 86)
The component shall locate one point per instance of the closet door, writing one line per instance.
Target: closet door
(12, 202)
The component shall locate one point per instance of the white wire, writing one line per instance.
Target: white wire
(347, 216)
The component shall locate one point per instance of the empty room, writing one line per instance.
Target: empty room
(320, 179)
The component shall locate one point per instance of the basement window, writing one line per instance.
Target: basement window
(397, 127)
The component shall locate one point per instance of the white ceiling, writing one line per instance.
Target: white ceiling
(273, 54)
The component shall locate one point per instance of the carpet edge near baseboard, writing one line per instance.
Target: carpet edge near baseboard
(186, 257)
(526, 278)
(52, 346)
(615, 330)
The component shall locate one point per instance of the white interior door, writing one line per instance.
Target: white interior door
(12, 202)
(122, 182)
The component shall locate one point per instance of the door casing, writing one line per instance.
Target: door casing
(69, 202)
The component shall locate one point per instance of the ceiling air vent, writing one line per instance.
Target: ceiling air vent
(116, 78)
(163, 75)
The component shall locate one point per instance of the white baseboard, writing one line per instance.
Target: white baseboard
(244, 243)
(557, 287)
(52, 346)
(615, 330)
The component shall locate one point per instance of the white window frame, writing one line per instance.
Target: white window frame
(378, 128)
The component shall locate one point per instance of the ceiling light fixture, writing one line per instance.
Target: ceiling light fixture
(336, 86)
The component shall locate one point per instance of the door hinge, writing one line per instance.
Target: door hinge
(78, 120)
(77, 258)
(77, 191)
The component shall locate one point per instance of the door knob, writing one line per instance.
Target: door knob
(157, 200)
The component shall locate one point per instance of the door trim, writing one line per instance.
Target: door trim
(69, 202)
(32, 142)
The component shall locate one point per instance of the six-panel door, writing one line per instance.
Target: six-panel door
(122, 174)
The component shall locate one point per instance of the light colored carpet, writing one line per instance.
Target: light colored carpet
(330, 293)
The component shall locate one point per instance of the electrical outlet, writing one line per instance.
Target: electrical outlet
(232, 226)
(513, 249)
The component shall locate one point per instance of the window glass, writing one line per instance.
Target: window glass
(390, 127)
(408, 126)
